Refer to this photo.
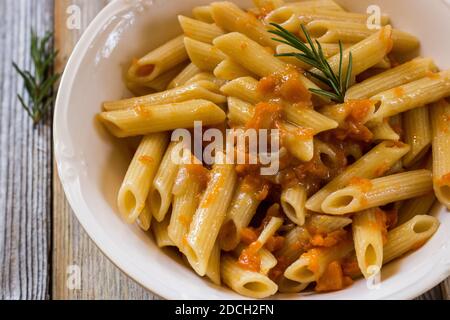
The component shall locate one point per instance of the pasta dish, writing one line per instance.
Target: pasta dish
(287, 147)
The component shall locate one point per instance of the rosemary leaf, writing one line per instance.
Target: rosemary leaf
(40, 82)
(315, 57)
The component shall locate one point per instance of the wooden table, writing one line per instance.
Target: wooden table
(40, 237)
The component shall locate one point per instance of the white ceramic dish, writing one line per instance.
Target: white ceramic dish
(91, 164)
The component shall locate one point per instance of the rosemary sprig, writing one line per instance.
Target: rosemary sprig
(315, 58)
(39, 85)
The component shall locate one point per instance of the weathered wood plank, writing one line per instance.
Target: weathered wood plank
(433, 294)
(445, 289)
(25, 161)
(100, 279)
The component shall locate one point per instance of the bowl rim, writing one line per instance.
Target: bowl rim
(84, 214)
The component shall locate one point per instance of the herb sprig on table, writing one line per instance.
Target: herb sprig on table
(40, 80)
(314, 56)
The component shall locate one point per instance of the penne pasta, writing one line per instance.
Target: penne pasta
(230, 70)
(213, 269)
(323, 224)
(186, 74)
(293, 203)
(198, 90)
(243, 207)
(187, 187)
(402, 74)
(373, 164)
(384, 131)
(440, 115)
(204, 56)
(367, 230)
(332, 31)
(292, 17)
(209, 216)
(245, 282)
(160, 195)
(380, 191)
(160, 233)
(203, 13)
(157, 118)
(411, 95)
(158, 61)
(199, 30)
(417, 133)
(409, 236)
(312, 264)
(231, 18)
(136, 184)
(253, 56)
(415, 206)
(365, 53)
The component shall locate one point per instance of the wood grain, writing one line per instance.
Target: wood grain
(100, 279)
(25, 161)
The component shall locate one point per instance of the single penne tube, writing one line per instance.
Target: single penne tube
(242, 209)
(373, 164)
(158, 61)
(141, 171)
(312, 264)
(409, 236)
(199, 30)
(186, 74)
(384, 131)
(209, 217)
(298, 141)
(365, 53)
(367, 230)
(253, 57)
(309, 118)
(213, 269)
(158, 84)
(332, 31)
(160, 233)
(402, 74)
(415, 206)
(203, 55)
(417, 134)
(411, 95)
(239, 112)
(198, 90)
(157, 118)
(292, 17)
(440, 115)
(323, 224)
(380, 191)
(269, 230)
(231, 18)
(293, 203)
(245, 88)
(160, 195)
(245, 282)
(230, 70)
(203, 13)
(187, 187)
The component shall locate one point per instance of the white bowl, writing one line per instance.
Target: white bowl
(91, 164)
